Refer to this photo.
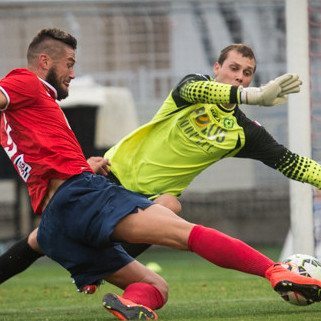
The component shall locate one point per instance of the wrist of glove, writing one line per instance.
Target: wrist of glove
(273, 93)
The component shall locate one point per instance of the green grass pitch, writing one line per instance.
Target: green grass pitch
(198, 291)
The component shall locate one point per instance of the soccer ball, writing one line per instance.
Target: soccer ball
(305, 265)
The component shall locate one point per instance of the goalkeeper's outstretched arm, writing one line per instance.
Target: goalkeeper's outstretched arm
(208, 91)
(300, 168)
(261, 146)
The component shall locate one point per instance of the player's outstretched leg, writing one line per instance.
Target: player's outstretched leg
(125, 309)
(283, 280)
(212, 245)
(239, 256)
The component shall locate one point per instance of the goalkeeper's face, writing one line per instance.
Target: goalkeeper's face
(236, 70)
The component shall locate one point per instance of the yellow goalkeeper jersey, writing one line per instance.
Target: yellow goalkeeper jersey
(186, 136)
(193, 130)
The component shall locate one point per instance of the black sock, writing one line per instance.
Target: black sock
(18, 258)
(135, 249)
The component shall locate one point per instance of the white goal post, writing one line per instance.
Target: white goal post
(301, 235)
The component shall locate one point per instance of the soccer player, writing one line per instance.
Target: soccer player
(196, 127)
(207, 135)
(84, 215)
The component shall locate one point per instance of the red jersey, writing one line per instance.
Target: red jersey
(36, 135)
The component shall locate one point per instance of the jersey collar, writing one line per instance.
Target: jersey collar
(226, 110)
(50, 89)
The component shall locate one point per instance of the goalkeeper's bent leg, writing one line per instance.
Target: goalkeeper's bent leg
(17, 259)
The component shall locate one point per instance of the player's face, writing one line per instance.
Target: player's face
(236, 70)
(62, 72)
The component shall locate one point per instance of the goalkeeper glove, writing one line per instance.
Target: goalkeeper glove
(273, 93)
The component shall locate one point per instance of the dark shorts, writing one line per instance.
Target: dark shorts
(76, 226)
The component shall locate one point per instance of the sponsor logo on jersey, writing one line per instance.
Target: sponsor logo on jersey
(215, 115)
(11, 150)
(205, 135)
(23, 168)
(202, 120)
(228, 123)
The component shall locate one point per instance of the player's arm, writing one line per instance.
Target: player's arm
(18, 87)
(260, 145)
(4, 99)
(300, 168)
(203, 89)
(198, 88)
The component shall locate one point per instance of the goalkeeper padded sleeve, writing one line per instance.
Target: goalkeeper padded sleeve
(299, 168)
(209, 92)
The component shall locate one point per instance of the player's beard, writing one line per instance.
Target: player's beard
(52, 79)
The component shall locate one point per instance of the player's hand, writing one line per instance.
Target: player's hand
(273, 93)
(99, 165)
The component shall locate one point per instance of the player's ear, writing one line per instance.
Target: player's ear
(216, 67)
(44, 61)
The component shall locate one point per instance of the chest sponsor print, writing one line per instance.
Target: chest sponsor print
(209, 131)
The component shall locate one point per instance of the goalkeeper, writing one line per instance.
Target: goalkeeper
(199, 124)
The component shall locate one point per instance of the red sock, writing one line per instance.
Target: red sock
(227, 252)
(145, 294)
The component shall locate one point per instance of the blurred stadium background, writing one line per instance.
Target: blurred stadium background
(147, 47)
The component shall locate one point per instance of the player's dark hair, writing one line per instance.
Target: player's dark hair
(241, 48)
(41, 42)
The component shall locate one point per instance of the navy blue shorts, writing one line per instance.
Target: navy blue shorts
(77, 223)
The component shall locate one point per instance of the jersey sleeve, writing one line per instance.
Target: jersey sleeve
(197, 88)
(260, 145)
(19, 89)
(300, 168)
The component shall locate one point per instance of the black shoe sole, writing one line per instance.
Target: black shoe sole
(312, 293)
(138, 312)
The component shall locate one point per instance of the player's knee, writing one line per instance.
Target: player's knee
(170, 202)
(162, 287)
(158, 282)
(32, 241)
